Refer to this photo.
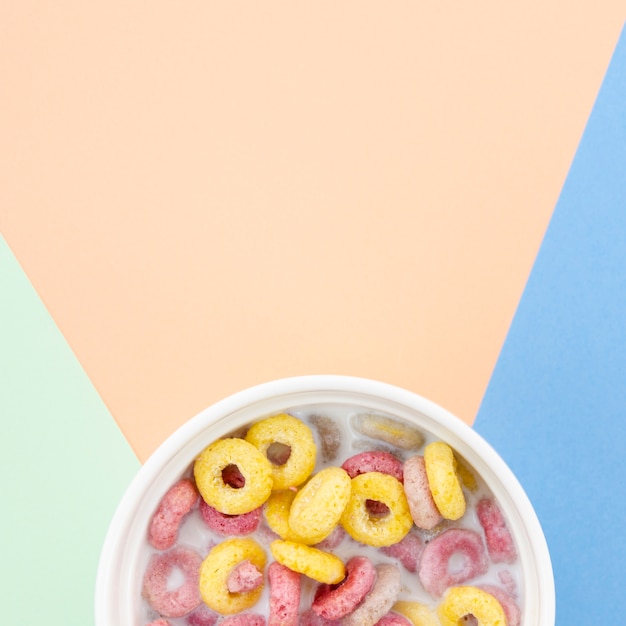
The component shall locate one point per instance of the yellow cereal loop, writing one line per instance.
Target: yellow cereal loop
(316, 564)
(417, 613)
(392, 431)
(216, 568)
(466, 475)
(461, 601)
(276, 512)
(317, 507)
(252, 465)
(377, 529)
(298, 439)
(443, 480)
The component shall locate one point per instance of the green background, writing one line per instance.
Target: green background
(65, 464)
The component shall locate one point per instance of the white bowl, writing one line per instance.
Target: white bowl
(120, 571)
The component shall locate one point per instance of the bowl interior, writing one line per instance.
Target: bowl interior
(124, 554)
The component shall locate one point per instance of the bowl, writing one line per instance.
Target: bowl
(124, 553)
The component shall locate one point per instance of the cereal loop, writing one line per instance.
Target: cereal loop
(174, 506)
(391, 431)
(443, 480)
(377, 530)
(462, 601)
(168, 601)
(218, 458)
(419, 614)
(317, 507)
(435, 571)
(277, 510)
(334, 602)
(284, 597)
(297, 437)
(380, 598)
(216, 569)
(316, 564)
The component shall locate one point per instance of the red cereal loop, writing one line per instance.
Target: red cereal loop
(202, 616)
(335, 601)
(434, 571)
(499, 541)
(174, 505)
(223, 524)
(393, 619)
(156, 588)
(408, 551)
(374, 461)
(284, 595)
(379, 600)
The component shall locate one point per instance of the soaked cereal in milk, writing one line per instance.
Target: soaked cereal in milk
(329, 515)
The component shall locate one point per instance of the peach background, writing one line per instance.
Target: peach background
(210, 195)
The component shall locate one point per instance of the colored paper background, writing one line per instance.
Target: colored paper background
(203, 197)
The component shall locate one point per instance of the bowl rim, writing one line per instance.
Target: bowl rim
(320, 383)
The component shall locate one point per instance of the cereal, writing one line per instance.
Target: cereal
(510, 608)
(424, 512)
(392, 431)
(202, 616)
(242, 524)
(408, 551)
(176, 601)
(284, 595)
(330, 436)
(374, 530)
(217, 567)
(461, 601)
(316, 564)
(228, 454)
(435, 572)
(333, 602)
(338, 537)
(393, 619)
(175, 504)
(443, 480)
(318, 506)
(419, 614)
(296, 437)
(244, 577)
(380, 598)
(499, 541)
(374, 461)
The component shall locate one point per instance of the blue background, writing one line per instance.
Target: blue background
(555, 406)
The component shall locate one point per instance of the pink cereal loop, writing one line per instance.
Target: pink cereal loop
(434, 572)
(336, 601)
(379, 600)
(499, 541)
(174, 505)
(284, 595)
(423, 509)
(374, 461)
(181, 600)
(408, 551)
(223, 524)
